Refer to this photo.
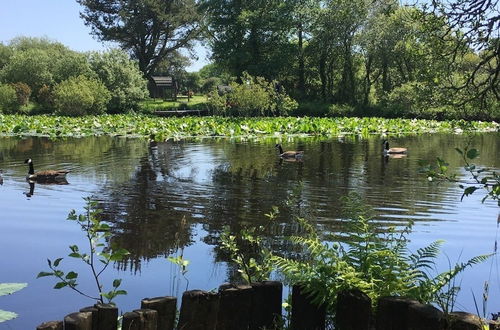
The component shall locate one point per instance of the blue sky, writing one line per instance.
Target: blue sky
(57, 20)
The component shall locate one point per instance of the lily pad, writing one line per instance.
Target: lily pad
(9, 288)
(5, 316)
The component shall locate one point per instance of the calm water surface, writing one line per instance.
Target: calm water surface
(175, 198)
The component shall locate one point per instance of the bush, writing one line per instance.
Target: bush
(8, 99)
(79, 96)
(210, 84)
(23, 92)
(254, 97)
(122, 78)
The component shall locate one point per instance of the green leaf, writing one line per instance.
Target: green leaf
(472, 153)
(5, 316)
(43, 274)
(71, 275)
(57, 261)
(116, 283)
(9, 288)
(60, 285)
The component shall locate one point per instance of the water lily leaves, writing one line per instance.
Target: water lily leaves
(9, 288)
(5, 289)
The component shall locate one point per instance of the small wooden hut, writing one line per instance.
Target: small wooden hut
(163, 87)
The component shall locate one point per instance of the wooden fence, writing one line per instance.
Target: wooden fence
(259, 306)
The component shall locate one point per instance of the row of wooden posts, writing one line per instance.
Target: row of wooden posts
(259, 306)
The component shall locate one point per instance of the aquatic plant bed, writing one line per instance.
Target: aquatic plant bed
(163, 128)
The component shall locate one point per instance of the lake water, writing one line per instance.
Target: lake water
(175, 198)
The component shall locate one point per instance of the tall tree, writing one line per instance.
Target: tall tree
(475, 23)
(149, 29)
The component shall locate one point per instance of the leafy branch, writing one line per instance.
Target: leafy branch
(99, 256)
(481, 178)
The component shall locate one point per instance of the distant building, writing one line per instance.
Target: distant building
(163, 87)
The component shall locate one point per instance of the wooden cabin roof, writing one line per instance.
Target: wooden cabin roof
(163, 81)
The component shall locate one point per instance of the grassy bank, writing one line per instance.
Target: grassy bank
(163, 128)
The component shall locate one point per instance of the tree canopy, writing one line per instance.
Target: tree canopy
(149, 29)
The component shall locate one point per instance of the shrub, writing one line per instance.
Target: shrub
(8, 99)
(254, 97)
(210, 84)
(122, 78)
(23, 92)
(79, 96)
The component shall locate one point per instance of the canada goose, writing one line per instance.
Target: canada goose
(289, 154)
(392, 151)
(48, 175)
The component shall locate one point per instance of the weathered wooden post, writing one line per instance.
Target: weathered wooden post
(78, 321)
(107, 316)
(392, 313)
(199, 310)
(464, 321)
(51, 325)
(94, 311)
(354, 310)
(131, 321)
(235, 305)
(424, 317)
(166, 308)
(266, 304)
(305, 314)
(148, 317)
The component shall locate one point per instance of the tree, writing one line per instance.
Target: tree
(122, 78)
(149, 29)
(475, 24)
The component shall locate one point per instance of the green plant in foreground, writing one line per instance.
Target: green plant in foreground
(182, 263)
(247, 252)
(378, 264)
(101, 254)
(5, 289)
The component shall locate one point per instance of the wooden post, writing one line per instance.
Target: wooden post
(107, 316)
(148, 317)
(235, 305)
(354, 310)
(166, 308)
(131, 321)
(392, 313)
(305, 314)
(266, 305)
(51, 325)
(199, 310)
(464, 321)
(95, 317)
(423, 317)
(78, 321)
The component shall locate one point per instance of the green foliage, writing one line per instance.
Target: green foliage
(37, 65)
(378, 264)
(122, 78)
(482, 179)
(246, 250)
(150, 30)
(5, 289)
(140, 125)
(8, 99)
(79, 96)
(254, 97)
(101, 253)
(23, 92)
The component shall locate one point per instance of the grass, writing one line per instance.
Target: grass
(196, 102)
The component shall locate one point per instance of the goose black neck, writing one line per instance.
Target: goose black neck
(386, 145)
(31, 170)
(280, 148)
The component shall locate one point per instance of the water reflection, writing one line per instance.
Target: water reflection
(32, 183)
(179, 195)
